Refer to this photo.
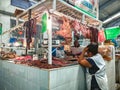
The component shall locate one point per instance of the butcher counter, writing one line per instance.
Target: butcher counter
(22, 77)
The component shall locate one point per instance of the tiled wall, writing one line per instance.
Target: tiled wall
(20, 77)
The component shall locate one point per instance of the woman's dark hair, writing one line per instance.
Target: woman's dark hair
(93, 48)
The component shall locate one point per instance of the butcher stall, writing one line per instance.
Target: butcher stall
(30, 62)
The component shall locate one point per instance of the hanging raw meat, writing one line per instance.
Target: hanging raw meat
(33, 26)
(76, 25)
(85, 31)
(88, 33)
(30, 27)
(82, 29)
(101, 36)
(27, 25)
(94, 34)
(65, 30)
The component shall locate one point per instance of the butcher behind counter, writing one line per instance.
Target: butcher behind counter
(67, 50)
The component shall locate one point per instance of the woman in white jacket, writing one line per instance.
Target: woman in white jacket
(95, 68)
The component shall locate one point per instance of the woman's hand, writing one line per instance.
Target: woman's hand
(85, 49)
(81, 57)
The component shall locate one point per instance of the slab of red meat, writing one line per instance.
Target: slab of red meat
(85, 31)
(65, 29)
(76, 25)
(101, 36)
(94, 34)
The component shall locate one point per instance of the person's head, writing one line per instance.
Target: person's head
(107, 41)
(76, 43)
(77, 37)
(92, 49)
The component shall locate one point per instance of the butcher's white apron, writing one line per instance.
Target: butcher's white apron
(100, 75)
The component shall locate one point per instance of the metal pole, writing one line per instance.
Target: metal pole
(1, 31)
(97, 2)
(54, 5)
(17, 21)
(49, 28)
(1, 37)
(83, 18)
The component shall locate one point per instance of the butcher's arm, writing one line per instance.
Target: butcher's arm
(82, 60)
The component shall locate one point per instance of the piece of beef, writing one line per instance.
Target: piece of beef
(28, 33)
(94, 35)
(33, 26)
(101, 36)
(65, 29)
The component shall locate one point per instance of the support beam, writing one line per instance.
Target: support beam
(112, 23)
(31, 8)
(108, 2)
(6, 13)
(112, 14)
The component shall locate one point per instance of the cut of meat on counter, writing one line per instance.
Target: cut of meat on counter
(43, 63)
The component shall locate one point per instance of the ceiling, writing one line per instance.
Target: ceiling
(108, 8)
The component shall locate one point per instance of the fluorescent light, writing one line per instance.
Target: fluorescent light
(111, 18)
